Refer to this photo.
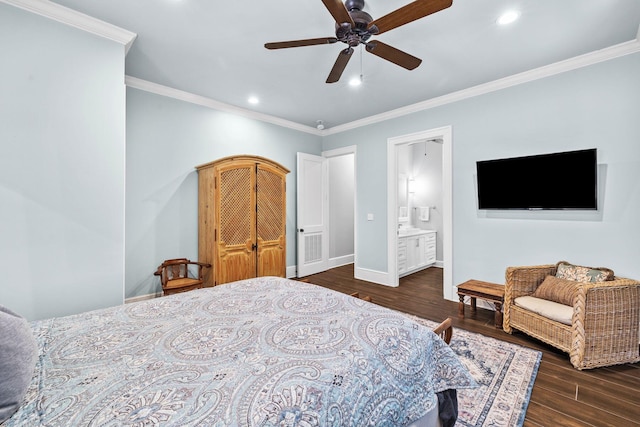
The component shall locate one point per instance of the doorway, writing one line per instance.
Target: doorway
(342, 205)
(445, 135)
(326, 210)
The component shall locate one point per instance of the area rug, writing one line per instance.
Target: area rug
(505, 372)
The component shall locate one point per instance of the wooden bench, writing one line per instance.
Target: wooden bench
(483, 290)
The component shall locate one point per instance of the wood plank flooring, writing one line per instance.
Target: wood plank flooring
(561, 396)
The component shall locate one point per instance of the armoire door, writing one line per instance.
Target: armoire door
(235, 256)
(271, 221)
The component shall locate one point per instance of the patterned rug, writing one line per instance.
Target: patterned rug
(506, 373)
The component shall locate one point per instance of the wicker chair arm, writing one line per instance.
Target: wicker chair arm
(618, 281)
(606, 315)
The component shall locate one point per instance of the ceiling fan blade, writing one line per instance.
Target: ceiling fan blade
(299, 43)
(394, 55)
(409, 13)
(340, 65)
(338, 11)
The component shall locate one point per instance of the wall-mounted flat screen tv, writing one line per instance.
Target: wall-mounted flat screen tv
(567, 180)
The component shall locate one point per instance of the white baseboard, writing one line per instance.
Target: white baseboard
(341, 260)
(292, 271)
(142, 297)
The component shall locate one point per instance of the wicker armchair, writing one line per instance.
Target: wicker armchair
(604, 326)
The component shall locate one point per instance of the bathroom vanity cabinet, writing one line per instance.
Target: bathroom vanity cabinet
(416, 251)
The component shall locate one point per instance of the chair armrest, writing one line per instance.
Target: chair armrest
(201, 266)
(521, 281)
(618, 297)
(606, 321)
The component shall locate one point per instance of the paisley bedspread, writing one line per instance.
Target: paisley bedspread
(259, 352)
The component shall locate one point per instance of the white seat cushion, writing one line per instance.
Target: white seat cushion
(549, 309)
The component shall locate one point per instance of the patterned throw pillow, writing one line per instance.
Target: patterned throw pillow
(557, 290)
(564, 270)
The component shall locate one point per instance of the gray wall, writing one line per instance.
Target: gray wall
(341, 206)
(596, 106)
(427, 170)
(166, 139)
(62, 104)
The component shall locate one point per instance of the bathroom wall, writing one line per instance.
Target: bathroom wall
(426, 170)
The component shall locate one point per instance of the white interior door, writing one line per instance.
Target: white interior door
(312, 215)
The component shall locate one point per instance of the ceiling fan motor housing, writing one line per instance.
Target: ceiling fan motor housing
(358, 33)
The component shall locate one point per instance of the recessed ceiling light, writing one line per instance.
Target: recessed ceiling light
(508, 17)
(253, 100)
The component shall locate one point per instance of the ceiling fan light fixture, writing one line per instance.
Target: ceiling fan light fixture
(356, 81)
(508, 17)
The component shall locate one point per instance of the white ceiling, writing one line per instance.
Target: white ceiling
(215, 49)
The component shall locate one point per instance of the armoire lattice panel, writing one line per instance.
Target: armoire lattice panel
(270, 210)
(235, 202)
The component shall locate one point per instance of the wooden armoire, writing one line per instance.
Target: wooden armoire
(242, 218)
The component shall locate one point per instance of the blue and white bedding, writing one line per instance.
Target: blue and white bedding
(259, 352)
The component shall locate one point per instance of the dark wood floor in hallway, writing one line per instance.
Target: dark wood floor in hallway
(562, 395)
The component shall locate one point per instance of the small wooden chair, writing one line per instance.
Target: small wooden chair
(444, 330)
(174, 275)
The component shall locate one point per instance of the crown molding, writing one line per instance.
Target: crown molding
(76, 19)
(606, 54)
(585, 60)
(147, 86)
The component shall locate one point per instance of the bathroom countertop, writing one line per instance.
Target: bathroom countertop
(413, 232)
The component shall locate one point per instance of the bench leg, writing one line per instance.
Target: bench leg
(473, 304)
(461, 306)
(498, 315)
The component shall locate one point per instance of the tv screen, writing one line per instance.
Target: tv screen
(566, 180)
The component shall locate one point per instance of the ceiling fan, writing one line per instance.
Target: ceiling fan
(354, 27)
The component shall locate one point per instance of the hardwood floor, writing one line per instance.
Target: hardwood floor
(561, 396)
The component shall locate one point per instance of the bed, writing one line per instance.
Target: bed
(259, 352)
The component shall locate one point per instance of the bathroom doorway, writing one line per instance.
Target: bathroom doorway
(437, 214)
